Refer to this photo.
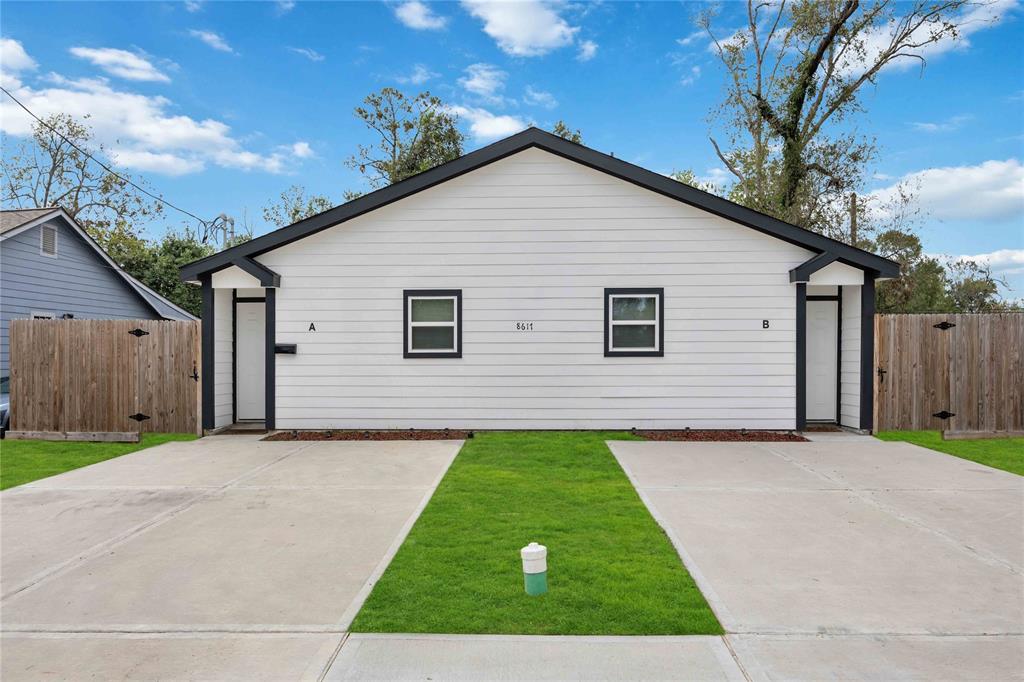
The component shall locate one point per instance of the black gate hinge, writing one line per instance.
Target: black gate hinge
(945, 414)
(944, 325)
(139, 417)
(139, 332)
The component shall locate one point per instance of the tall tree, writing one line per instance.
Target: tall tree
(295, 205)
(51, 168)
(795, 74)
(414, 134)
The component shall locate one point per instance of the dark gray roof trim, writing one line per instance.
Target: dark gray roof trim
(533, 137)
(266, 276)
(803, 272)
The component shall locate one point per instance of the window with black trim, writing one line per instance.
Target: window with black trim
(634, 322)
(433, 323)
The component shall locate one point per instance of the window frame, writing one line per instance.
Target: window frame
(659, 322)
(41, 315)
(42, 241)
(408, 296)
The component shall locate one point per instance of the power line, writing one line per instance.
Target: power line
(206, 224)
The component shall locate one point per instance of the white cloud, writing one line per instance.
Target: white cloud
(950, 124)
(13, 57)
(524, 29)
(193, 5)
(122, 63)
(310, 54)
(418, 15)
(719, 177)
(588, 50)
(539, 98)
(155, 162)
(1003, 261)
(484, 80)
(212, 39)
(977, 17)
(302, 150)
(691, 77)
(990, 191)
(485, 126)
(285, 6)
(142, 132)
(420, 74)
(688, 40)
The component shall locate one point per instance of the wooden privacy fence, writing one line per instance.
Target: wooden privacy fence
(96, 377)
(957, 373)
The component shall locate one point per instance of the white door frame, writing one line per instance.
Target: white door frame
(823, 365)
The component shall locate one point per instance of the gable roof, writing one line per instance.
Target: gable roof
(13, 223)
(875, 265)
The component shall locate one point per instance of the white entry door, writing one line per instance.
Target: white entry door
(822, 352)
(250, 365)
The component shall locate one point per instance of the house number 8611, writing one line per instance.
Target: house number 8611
(524, 326)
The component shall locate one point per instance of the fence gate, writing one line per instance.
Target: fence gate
(958, 373)
(104, 376)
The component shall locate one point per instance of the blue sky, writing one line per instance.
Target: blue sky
(221, 106)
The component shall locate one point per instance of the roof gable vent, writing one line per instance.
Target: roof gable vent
(48, 240)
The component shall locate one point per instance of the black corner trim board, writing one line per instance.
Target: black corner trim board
(649, 291)
(207, 345)
(801, 356)
(867, 355)
(529, 138)
(271, 359)
(413, 293)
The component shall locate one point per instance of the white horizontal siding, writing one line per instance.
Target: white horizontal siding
(849, 367)
(223, 411)
(536, 238)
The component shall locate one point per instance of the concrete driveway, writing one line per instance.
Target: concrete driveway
(223, 558)
(848, 557)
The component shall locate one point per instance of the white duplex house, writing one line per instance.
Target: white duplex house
(536, 283)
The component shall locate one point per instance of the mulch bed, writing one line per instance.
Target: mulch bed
(371, 435)
(692, 435)
(728, 436)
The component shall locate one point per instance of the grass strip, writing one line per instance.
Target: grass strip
(999, 453)
(24, 461)
(611, 568)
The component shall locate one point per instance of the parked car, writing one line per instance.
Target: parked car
(5, 405)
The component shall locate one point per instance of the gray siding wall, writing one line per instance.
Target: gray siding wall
(76, 281)
(537, 238)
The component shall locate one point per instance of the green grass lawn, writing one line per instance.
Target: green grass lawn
(1001, 453)
(23, 461)
(611, 569)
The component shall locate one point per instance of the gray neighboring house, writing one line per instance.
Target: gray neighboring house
(51, 268)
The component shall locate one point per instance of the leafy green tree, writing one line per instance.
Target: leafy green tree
(688, 177)
(567, 133)
(295, 205)
(157, 265)
(795, 74)
(921, 286)
(414, 134)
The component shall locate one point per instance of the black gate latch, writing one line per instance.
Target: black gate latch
(881, 375)
(945, 414)
(195, 374)
(139, 332)
(139, 417)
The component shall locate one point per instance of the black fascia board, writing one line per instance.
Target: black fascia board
(803, 272)
(266, 276)
(534, 137)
